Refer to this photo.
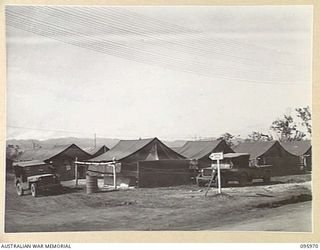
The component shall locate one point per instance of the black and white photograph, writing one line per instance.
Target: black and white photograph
(158, 118)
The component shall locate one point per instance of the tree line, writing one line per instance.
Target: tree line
(285, 128)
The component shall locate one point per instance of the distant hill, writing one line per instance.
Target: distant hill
(66, 141)
(88, 142)
(26, 145)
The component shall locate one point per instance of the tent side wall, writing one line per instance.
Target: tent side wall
(163, 173)
(63, 162)
(64, 168)
(283, 163)
(309, 159)
(160, 173)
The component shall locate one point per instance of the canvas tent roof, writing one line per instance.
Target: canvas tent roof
(200, 149)
(255, 149)
(176, 148)
(126, 148)
(297, 147)
(50, 153)
(96, 151)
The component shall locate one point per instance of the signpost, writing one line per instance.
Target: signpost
(216, 157)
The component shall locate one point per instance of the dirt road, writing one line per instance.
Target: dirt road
(282, 218)
(170, 208)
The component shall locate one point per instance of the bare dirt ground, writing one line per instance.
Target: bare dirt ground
(282, 218)
(284, 205)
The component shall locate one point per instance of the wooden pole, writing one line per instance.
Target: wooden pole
(114, 176)
(138, 174)
(76, 171)
(211, 180)
(219, 177)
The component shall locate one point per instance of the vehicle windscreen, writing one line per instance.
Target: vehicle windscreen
(37, 170)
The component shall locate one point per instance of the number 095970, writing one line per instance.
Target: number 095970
(309, 246)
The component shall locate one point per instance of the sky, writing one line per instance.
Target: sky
(166, 72)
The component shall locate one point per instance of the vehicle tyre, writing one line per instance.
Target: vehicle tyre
(34, 190)
(243, 179)
(267, 179)
(19, 189)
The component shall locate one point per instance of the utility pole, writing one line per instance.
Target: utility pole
(95, 140)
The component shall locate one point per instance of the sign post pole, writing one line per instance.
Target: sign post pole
(76, 171)
(216, 157)
(114, 173)
(219, 176)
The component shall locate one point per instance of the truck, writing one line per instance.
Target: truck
(36, 176)
(234, 167)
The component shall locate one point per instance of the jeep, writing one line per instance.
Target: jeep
(35, 176)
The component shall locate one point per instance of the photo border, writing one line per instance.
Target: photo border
(171, 236)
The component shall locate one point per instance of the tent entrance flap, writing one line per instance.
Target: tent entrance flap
(153, 154)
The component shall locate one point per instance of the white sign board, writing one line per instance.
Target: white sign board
(216, 156)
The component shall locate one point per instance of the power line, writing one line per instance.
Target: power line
(123, 24)
(123, 51)
(96, 22)
(148, 20)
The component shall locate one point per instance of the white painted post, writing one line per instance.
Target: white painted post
(216, 156)
(219, 176)
(76, 171)
(114, 176)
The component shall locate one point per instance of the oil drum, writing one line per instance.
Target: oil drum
(91, 184)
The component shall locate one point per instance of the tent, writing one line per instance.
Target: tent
(96, 151)
(61, 157)
(302, 149)
(147, 163)
(138, 150)
(200, 150)
(270, 153)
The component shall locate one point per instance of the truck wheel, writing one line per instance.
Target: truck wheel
(34, 190)
(19, 189)
(243, 180)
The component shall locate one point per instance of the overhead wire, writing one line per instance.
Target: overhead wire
(98, 15)
(13, 19)
(182, 48)
(155, 21)
(196, 34)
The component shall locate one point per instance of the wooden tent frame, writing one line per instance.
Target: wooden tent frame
(106, 166)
